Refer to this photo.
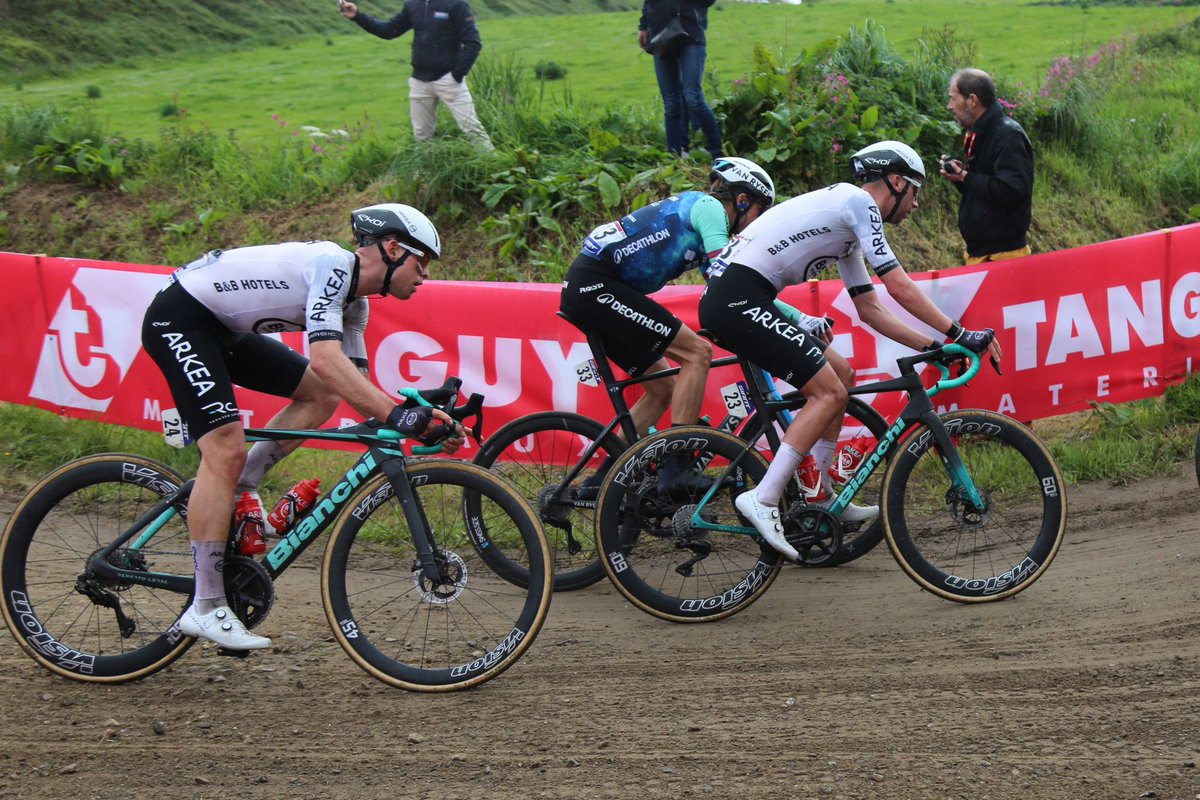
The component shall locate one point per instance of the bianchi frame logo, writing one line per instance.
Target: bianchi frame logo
(93, 337)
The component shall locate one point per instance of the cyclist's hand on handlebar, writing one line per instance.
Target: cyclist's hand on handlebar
(444, 431)
(820, 327)
(430, 426)
(975, 341)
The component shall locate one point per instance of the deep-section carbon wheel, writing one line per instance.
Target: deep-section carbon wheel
(949, 546)
(536, 453)
(653, 549)
(69, 619)
(426, 629)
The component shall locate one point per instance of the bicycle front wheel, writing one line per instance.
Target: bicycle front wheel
(401, 624)
(953, 549)
(69, 619)
(536, 453)
(652, 548)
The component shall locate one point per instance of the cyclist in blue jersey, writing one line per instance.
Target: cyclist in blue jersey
(623, 261)
(205, 331)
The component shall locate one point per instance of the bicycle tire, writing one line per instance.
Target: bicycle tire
(954, 553)
(69, 515)
(1198, 457)
(535, 453)
(644, 547)
(426, 638)
(857, 542)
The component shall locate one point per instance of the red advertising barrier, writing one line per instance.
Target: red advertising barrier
(1110, 322)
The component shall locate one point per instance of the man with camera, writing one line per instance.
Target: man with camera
(994, 177)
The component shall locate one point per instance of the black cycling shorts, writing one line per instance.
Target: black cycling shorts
(635, 330)
(738, 307)
(202, 360)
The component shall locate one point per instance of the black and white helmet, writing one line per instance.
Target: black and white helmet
(409, 226)
(886, 158)
(745, 175)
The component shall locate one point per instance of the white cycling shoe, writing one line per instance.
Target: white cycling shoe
(765, 520)
(852, 512)
(222, 626)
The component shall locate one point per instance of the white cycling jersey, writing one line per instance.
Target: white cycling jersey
(294, 286)
(794, 241)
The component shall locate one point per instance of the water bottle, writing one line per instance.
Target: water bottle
(850, 457)
(810, 480)
(249, 523)
(292, 505)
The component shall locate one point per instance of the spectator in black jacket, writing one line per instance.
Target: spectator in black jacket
(445, 46)
(995, 176)
(680, 71)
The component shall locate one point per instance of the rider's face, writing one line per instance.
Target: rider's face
(908, 203)
(410, 274)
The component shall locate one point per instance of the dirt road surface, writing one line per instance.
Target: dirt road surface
(841, 683)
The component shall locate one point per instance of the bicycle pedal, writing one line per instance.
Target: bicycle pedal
(225, 651)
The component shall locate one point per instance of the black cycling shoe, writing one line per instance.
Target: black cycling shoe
(686, 484)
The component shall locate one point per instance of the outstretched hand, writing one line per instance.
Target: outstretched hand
(348, 10)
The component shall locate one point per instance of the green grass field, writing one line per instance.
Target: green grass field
(333, 82)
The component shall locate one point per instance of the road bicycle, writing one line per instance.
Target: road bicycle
(551, 456)
(972, 506)
(96, 566)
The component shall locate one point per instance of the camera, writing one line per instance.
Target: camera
(947, 164)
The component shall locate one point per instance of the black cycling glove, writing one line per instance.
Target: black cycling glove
(975, 341)
(410, 421)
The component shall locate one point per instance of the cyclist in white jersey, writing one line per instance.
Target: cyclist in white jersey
(791, 243)
(204, 331)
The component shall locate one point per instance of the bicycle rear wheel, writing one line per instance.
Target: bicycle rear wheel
(62, 613)
(536, 453)
(652, 551)
(402, 627)
(937, 536)
(859, 538)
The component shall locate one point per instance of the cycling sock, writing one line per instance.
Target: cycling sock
(208, 559)
(782, 470)
(262, 456)
(823, 453)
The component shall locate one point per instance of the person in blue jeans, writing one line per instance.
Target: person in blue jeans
(680, 72)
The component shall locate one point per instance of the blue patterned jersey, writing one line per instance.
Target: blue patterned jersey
(661, 241)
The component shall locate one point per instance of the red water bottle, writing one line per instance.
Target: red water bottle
(810, 480)
(292, 505)
(249, 523)
(850, 457)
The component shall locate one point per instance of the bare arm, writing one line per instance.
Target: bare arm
(911, 299)
(346, 381)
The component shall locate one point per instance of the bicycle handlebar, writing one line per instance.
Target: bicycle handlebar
(936, 358)
(443, 398)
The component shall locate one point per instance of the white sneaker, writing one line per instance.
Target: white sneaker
(222, 626)
(765, 520)
(852, 512)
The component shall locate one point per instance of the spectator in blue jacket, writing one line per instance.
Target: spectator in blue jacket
(445, 46)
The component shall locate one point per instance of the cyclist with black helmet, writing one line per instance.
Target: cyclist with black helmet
(623, 261)
(793, 242)
(205, 331)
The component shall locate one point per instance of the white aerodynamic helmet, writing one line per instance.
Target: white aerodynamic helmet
(744, 174)
(886, 158)
(408, 225)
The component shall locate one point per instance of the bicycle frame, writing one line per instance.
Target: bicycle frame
(918, 409)
(382, 454)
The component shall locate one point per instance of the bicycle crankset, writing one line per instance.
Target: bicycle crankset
(249, 589)
(814, 532)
